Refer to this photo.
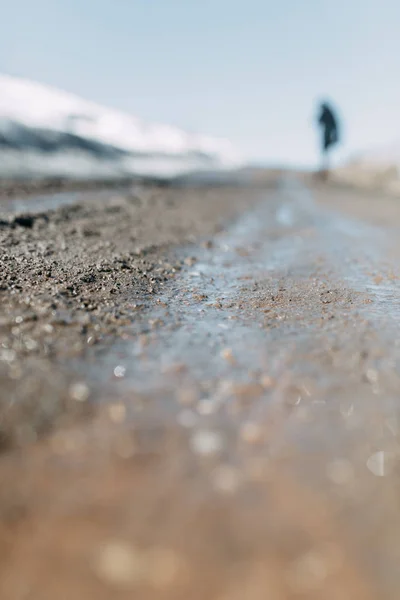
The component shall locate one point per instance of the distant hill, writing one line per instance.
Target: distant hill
(45, 132)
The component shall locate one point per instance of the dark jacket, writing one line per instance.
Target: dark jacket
(329, 123)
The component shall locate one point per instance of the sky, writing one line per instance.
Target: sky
(248, 70)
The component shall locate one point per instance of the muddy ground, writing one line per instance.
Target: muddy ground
(198, 395)
(77, 275)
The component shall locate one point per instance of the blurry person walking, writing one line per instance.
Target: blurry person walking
(328, 123)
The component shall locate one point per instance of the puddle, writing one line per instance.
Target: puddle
(201, 319)
(206, 323)
(208, 326)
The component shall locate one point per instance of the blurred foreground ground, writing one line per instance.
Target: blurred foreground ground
(199, 395)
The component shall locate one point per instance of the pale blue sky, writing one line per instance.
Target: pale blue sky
(250, 70)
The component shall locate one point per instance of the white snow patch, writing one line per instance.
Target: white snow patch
(142, 148)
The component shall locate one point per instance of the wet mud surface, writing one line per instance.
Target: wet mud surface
(199, 397)
(75, 276)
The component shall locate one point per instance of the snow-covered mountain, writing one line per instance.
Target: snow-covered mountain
(47, 132)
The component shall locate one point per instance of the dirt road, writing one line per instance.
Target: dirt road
(199, 395)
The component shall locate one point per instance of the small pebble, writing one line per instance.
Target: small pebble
(251, 433)
(31, 344)
(120, 565)
(206, 442)
(7, 355)
(267, 382)
(79, 391)
(119, 371)
(376, 464)
(207, 406)
(227, 354)
(190, 261)
(226, 479)
(117, 413)
(187, 396)
(372, 375)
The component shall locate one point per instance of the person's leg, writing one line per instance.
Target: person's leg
(325, 155)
